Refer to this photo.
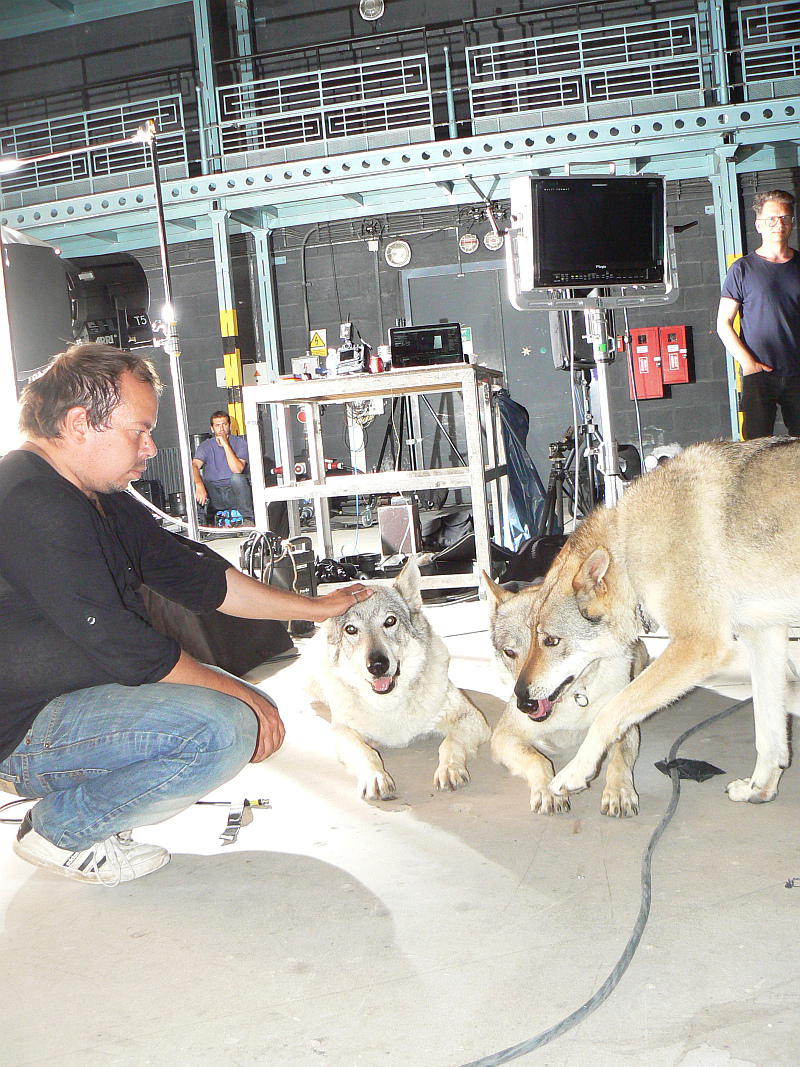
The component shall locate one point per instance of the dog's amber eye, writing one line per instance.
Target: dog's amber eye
(350, 629)
(391, 620)
(510, 653)
(549, 641)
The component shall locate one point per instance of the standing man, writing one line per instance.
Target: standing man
(764, 289)
(104, 721)
(223, 459)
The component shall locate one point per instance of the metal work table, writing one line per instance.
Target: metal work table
(485, 453)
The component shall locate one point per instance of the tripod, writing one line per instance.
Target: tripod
(589, 490)
(552, 520)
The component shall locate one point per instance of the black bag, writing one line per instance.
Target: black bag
(533, 558)
(226, 641)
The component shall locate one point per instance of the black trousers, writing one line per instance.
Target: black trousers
(762, 394)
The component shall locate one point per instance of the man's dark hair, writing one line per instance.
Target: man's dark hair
(219, 415)
(84, 376)
(780, 196)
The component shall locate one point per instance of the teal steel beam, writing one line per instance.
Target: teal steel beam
(228, 318)
(730, 245)
(244, 39)
(25, 18)
(419, 176)
(267, 316)
(717, 20)
(209, 135)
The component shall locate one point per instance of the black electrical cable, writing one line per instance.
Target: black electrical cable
(11, 804)
(610, 984)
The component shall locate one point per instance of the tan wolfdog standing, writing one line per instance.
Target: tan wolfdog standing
(531, 733)
(705, 546)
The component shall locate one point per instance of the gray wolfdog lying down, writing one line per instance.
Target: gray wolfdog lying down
(382, 672)
(706, 546)
(531, 731)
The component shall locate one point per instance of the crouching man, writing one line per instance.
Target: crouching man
(109, 724)
(218, 470)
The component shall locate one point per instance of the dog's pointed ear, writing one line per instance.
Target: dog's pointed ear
(495, 594)
(407, 584)
(590, 584)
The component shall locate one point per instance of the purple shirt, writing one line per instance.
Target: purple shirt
(214, 460)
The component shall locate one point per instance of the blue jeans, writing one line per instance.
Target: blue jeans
(114, 757)
(235, 494)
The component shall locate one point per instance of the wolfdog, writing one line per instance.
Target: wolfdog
(530, 731)
(705, 546)
(382, 672)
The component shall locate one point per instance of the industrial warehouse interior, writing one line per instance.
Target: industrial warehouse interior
(453, 279)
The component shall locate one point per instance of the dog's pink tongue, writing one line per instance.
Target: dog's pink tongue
(544, 707)
(381, 685)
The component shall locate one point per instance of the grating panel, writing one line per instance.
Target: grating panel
(331, 103)
(66, 133)
(770, 44)
(563, 69)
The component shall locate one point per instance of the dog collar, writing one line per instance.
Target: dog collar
(581, 699)
(645, 620)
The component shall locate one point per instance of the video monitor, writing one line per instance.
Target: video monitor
(580, 232)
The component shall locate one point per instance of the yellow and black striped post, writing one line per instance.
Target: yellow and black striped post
(228, 321)
(231, 356)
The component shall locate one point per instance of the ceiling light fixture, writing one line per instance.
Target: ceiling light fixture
(370, 10)
(398, 253)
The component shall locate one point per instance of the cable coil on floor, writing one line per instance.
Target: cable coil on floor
(610, 984)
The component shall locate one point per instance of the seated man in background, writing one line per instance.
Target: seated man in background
(104, 722)
(223, 461)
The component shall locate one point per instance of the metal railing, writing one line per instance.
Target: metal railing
(66, 132)
(769, 37)
(331, 103)
(608, 64)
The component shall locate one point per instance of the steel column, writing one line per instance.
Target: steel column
(730, 244)
(265, 283)
(208, 118)
(228, 321)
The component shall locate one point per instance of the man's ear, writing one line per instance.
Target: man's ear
(590, 585)
(75, 425)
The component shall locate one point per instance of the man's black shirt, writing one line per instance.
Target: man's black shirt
(71, 616)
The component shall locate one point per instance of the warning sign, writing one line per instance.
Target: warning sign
(319, 343)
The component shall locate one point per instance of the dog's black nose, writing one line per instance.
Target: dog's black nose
(525, 703)
(377, 665)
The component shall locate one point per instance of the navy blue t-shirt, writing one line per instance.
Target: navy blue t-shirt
(768, 295)
(214, 460)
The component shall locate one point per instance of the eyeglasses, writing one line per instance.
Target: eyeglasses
(773, 221)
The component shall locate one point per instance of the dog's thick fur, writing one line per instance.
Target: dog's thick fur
(382, 672)
(706, 546)
(529, 733)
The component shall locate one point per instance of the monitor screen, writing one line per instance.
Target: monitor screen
(421, 346)
(597, 231)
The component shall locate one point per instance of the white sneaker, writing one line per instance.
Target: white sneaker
(117, 859)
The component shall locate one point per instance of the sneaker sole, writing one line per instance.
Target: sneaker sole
(76, 873)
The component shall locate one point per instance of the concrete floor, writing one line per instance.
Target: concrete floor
(430, 931)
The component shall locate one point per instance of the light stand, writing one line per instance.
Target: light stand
(147, 134)
(597, 336)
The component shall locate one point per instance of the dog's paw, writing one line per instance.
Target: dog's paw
(377, 786)
(543, 802)
(450, 776)
(742, 790)
(619, 802)
(570, 779)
